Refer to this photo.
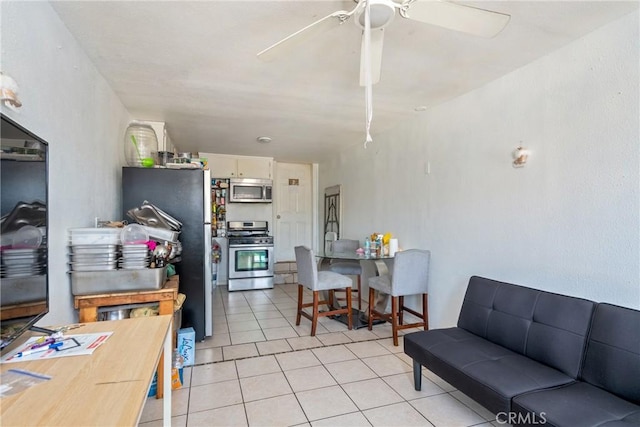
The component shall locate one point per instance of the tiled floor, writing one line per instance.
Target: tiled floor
(259, 369)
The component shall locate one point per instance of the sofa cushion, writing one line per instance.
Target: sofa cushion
(576, 404)
(612, 361)
(487, 372)
(547, 327)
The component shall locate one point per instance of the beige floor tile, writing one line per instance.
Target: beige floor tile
(333, 354)
(355, 419)
(264, 386)
(405, 358)
(257, 366)
(233, 415)
(153, 407)
(268, 315)
(208, 355)
(335, 326)
(304, 342)
(238, 309)
(272, 347)
(214, 373)
(325, 402)
(280, 333)
(350, 371)
(247, 325)
(216, 395)
(403, 385)
(216, 340)
(186, 376)
(239, 351)
(241, 317)
(333, 338)
(371, 393)
(383, 331)
(276, 411)
(367, 349)
(263, 307)
(388, 364)
(309, 378)
(446, 411)
(360, 335)
(297, 360)
(388, 344)
(247, 337)
(180, 421)
(273, 323)
(399, 414)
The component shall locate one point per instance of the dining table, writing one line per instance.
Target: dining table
(371, 266)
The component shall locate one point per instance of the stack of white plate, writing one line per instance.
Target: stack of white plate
(93, 257)
(22, 262)
(135, 256)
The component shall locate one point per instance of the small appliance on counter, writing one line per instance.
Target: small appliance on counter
(250, 255)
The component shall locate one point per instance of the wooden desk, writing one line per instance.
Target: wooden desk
(88, 305)
(108, 387)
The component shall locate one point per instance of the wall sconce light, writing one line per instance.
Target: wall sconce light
(9, 92)
(520, 156)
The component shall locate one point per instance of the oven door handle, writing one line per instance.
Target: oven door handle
(249, 246)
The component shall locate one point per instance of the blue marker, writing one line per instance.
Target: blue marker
(53, 346)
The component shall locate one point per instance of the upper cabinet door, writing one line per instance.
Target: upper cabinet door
(249, 167)
(222, 166)
(226, 166)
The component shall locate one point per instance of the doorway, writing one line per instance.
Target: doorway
(293, 209)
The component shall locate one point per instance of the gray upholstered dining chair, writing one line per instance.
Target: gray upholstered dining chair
(410, 276)
(347, 267)
(318, 281)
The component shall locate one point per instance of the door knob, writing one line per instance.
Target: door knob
(278, 217)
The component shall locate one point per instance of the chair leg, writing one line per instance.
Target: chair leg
(425, 310)
(370, 309)
(359, 295)
(300, 290)
(394, 319)
(314, 320)
(401, 310)
(349, 320)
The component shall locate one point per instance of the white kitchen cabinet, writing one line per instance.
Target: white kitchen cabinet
(225, 166)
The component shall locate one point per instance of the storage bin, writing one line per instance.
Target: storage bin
(101, 282)
(94, 236)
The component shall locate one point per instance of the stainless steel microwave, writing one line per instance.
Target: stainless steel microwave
(250, 190)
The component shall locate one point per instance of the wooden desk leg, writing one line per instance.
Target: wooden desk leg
(160, 372)
(88, 314)
(164, 307)
(166, 405)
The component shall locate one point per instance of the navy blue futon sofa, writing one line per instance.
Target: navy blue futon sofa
(533, 357)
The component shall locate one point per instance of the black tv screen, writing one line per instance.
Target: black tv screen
(24, 284)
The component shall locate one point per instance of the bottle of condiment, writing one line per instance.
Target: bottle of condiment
(379, 246)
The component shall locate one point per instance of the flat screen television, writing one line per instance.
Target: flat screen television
(24, 283)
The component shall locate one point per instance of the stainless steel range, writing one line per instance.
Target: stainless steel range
(250, 255)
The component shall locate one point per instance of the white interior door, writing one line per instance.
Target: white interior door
(293, 209)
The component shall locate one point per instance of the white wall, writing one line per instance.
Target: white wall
(568, 222)
(70, 105)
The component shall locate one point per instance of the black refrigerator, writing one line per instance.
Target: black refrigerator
(185, 194)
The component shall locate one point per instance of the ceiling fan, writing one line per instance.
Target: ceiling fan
(466, 19)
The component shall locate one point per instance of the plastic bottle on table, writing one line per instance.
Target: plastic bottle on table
(367, 247)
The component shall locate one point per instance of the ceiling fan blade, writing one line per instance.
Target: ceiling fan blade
(320, 26)
(467, 19)
(377, 37)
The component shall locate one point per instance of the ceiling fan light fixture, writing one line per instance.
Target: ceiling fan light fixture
(382, 13)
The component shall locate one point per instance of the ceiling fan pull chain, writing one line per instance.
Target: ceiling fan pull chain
(367, 74)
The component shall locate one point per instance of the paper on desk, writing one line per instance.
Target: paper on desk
(88, 343)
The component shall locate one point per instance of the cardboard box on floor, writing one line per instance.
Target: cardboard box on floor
(187, 345)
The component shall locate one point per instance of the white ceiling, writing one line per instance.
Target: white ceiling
(193, 65)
